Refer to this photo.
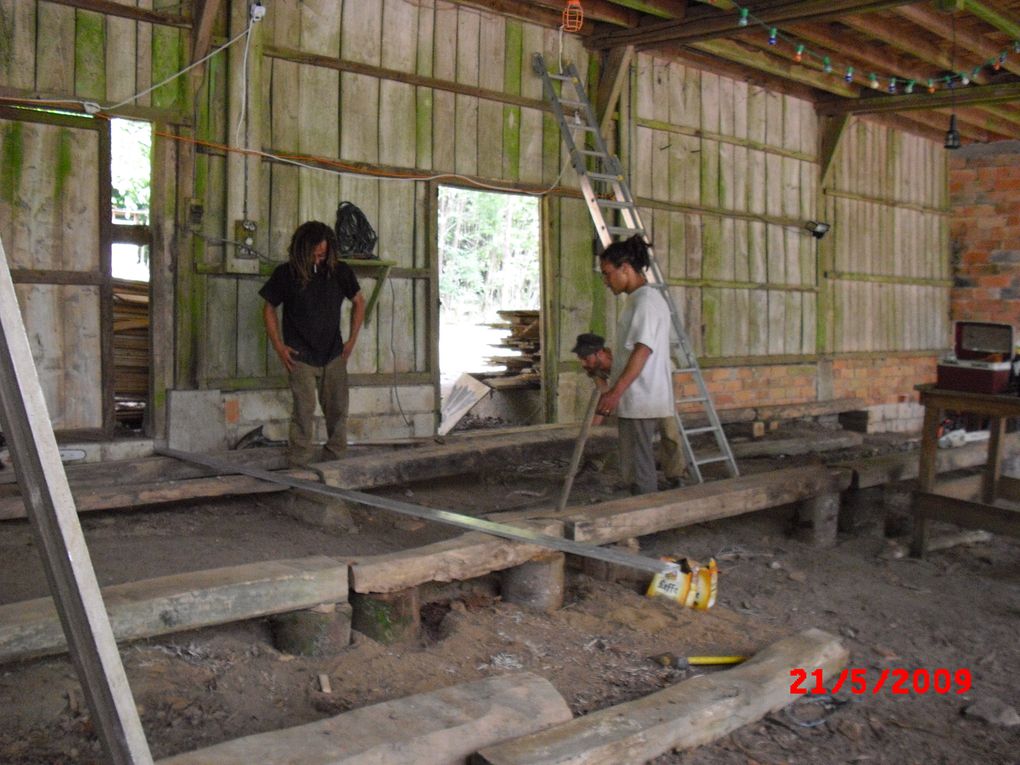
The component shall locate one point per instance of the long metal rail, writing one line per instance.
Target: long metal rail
(607, 554)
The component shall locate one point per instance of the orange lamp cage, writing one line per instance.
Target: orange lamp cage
(573, 16)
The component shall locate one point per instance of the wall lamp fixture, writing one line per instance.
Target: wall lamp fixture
(817, 228)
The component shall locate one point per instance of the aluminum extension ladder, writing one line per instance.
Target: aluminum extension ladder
(605, 190)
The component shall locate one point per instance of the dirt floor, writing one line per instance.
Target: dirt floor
(958, 609)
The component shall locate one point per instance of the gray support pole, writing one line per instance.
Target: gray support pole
(58, 534)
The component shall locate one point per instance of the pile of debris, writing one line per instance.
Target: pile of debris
(523, 369)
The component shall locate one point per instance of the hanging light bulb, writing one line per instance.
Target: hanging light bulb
(773, 35)
(910, 86)
(743, 17)
(849, 76)
(931, 85)
(1016, 46)
(952, 135)
(964, 78)
(975, 73)
(573, 16)
(892, 84)
(826, 65)
(873, 80)
(798, 54)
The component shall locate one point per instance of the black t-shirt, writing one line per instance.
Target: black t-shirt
(311, 314)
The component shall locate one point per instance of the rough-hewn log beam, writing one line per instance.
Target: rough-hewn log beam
(614, 72)
(941, 25)
(904, 39)
(111, 8)
(598, 10)
(942, 99)
(833, 130)
(665, 9)
(201, 34)
(994, 17)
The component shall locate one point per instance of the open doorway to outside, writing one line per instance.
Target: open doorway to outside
(131, 181)
(490, 294)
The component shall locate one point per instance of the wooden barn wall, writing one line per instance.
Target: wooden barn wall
(727, 174)
(373, 88)
(887, 257)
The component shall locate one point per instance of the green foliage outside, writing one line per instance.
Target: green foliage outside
(131, 170)
(489, 253)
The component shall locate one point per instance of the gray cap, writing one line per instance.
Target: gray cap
(588, 343)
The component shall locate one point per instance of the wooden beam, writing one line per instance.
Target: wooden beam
(903, 38)
(833, 130)
(597, 10)
(688, 714)
(464, 557)
(58, 535)
(521, 10)
(620, 519)
(180, 602)
(766, 61)
(124, 495)
(970, 515)
(665, 9)
(201, 34)
(941, 99)
(994, 17)
(941, 24)
(111, 8)
(615, 70)
(710, 24)
(445, 725)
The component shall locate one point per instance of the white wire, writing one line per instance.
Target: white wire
(243, 117)
(172, 77)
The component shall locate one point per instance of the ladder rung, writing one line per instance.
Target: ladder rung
(720, 458)
(695, 431)
(621, 230)
(592, 153)
(605, 177)
(564, 77)
(691, 400)
(613, 203)
(686, 370)
(573, 104)
(582, 126)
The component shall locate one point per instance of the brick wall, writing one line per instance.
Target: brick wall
(984, 189)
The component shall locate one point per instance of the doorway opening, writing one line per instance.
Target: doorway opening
(490, 294)
(131, 182)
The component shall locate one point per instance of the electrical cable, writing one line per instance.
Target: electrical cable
(354, 234)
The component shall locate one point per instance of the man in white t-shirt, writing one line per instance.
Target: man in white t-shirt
(597, 360)
(641, 393)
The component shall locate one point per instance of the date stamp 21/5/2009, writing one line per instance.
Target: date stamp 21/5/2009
(895, 681)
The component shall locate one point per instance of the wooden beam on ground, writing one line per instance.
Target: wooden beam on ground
(464, 557)
(160, 492)
(58, 536)
(182, 602)
(689, 714)
(433, 728)
(441, 460)
(648, 513)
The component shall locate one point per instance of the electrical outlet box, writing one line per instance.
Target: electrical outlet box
(244, 238)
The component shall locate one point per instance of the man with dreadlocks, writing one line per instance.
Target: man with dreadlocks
(311, 287)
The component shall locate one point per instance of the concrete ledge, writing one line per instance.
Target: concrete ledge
(646, 514)
(181, 602)
(443, 726)
(689, 714)
(464, 557)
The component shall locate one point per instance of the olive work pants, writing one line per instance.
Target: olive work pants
(637, 456)
(328, 385)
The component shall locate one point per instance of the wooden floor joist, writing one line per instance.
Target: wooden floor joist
(648, 513)
(689, 714)
(167, 604)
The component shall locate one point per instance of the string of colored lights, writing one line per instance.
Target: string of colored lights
(874, 79)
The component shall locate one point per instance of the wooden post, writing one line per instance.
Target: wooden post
(536, 584)
(388, 617)
(926, 472)
(819, 518)
(58, 534)
(993, 469)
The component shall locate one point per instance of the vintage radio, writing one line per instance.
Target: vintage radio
(982, 358)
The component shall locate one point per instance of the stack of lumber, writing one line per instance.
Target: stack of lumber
(130, 349)
(523, 368)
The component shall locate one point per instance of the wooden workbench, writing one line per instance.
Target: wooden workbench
(985, 514)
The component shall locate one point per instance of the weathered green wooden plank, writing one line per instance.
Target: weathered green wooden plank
(491, 65)
(251, 341)
(89, 55)
(677, 265)
(220, 341)
(397, 133)
(711, 319)
(361, 33)
(515, 64)
(168, 59)
(54, 49)
(396, 212)
(121, 52)
(143, 63)
(17, 44)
